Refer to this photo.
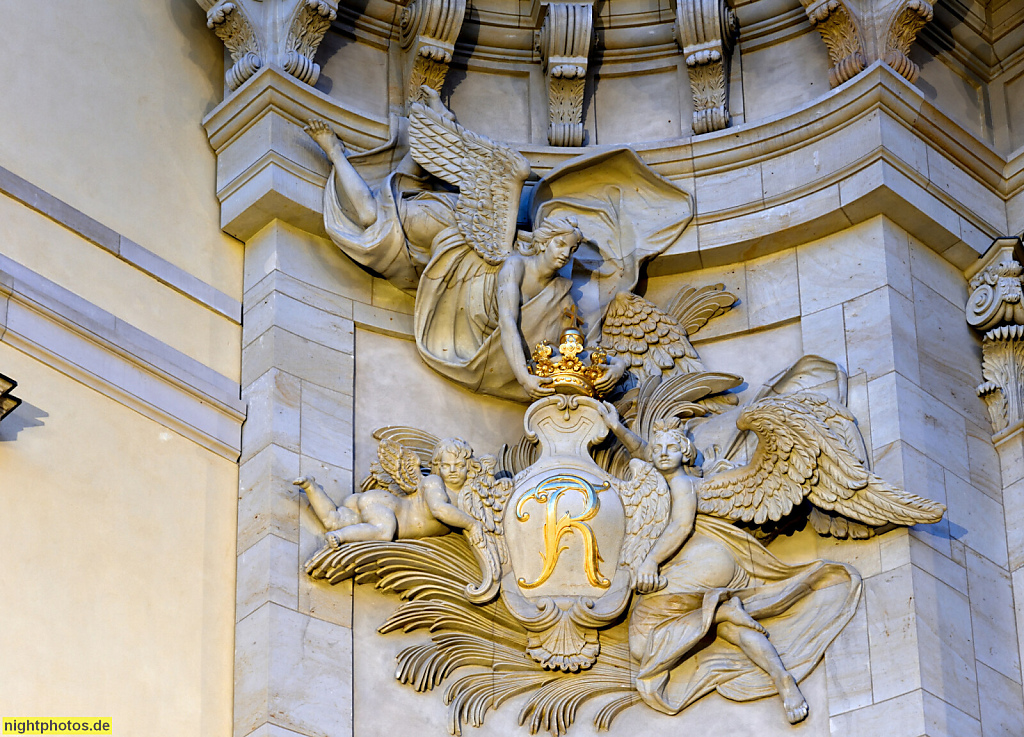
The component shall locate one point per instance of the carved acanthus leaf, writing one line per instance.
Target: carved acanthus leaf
(909, 18)
(837, 25)
(429, 29)
(233, 26)
(431, 576)
(706, 31)
(310, 22)
(1003, 369)
(563, 42)
(286, 36)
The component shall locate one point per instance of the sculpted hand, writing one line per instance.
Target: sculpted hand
(537, 387)
(647, 579)
(616, 368)
(610, 415)
(475, 533)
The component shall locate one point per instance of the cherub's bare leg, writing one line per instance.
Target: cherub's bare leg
(379, 523)
(762, 653)
(355, 195)
(332, 516)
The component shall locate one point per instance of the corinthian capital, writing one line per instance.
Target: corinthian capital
(284, 34)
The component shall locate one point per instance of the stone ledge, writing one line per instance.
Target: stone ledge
(120, 361)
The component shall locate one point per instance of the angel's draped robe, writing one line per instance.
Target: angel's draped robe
(626, 211)
(803, 607)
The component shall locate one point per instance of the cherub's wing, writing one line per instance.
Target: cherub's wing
(483, 498)
(421, 442)
(801, 455)
(693, 307)
(489, 177)
(645, 496)
(397, 469)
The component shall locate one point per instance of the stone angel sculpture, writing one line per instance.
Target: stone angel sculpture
(698, 574)
(420, 486)
(486, 292)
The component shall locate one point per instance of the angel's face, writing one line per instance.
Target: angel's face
(666, 451)
(560, 249)
(453, 470)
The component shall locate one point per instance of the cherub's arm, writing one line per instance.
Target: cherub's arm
(678, 531)
(510, 280)
(327, 511)
(440, 505)
(633, 442)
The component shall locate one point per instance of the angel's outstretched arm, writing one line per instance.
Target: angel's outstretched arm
(354, 194)
(510, 280)
(633, 442)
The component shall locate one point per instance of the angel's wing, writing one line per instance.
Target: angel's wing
(397, 469)
(645, 496)
(421, 442)
(693, 307)
(649, 339)
(801, 455)
(489, 176)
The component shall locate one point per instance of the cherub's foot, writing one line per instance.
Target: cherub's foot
(303, 482)
(792, 700)
(321, 132)
(333, 540)
(733, 611)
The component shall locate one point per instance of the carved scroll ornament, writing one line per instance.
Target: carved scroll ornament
(837, 25)
(706, 31)
(288, 37)
(429, 29)
(564, 46)
(909, 17)
(995, 306)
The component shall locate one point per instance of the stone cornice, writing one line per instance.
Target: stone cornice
(871, 146)
(118, 360)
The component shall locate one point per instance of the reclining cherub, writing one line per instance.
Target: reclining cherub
(398, 502)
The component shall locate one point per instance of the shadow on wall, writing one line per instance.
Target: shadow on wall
(25, 416)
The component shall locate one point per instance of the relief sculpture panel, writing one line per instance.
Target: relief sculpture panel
(618, 550)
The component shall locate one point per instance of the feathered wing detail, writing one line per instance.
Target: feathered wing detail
(397, 469)
(645, 496)
(489, 177)
(650, 340)
(483, 498)
(800, 455)
(694, 307)
(421, 442)
(518, 457)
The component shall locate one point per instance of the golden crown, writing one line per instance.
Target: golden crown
(568, 371)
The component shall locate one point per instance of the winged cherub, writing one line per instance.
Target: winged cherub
(699, 574)
(486, 294)
(400, 503)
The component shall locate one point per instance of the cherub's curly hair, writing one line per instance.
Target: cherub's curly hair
(674, 427)
(461, 450)
(530, 244)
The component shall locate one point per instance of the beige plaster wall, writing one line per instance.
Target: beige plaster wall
(117, 539)
(102, 108)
